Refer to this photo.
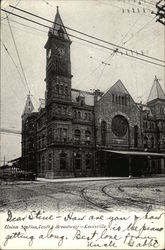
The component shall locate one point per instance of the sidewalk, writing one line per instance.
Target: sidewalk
(80, 179)
(75, 179)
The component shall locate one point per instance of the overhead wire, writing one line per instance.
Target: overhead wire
(122, 8)
(82, 33)
(148, 2)
(35, 29)
(113, 54)
(23, 72)
(139, 6)
(11, 88)
(88, 75)
(142, 28)
(74, 41)
(94, 43)
(121, 42)
(102, 71)
(7, 51)
(27, 26)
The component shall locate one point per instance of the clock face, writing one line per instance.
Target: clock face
(119, 126)
(60, 51)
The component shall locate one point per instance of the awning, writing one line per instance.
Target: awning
(142, 153)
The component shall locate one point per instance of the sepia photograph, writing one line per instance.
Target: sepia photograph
(82, 124)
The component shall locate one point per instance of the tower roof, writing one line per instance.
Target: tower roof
(156, 91)
(28, 106)
(58, 27)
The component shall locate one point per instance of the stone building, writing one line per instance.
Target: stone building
(80, 133)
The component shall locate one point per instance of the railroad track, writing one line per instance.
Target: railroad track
(132, 199)
(129, 201)
(98, 196)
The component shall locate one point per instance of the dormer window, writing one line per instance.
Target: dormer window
(61, 32)
(81, 100)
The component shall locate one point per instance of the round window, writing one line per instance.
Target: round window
(119, 125)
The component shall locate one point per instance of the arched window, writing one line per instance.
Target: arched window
(85, 116)
(88, 161)
(65, 133)
(103, 132)
(66, 90)
(79, 115)
(63, 160)
(78, 161)
(43, 164)
(146, 142)
(125, 100)
(87, 137)
(59, 134)
(75, 114)
(50, 136)
(31, 143)
(49, 161)
(122, 100)
(152, 142)
(119, 99)
(57, 89)
(77, 135)
(135, 136)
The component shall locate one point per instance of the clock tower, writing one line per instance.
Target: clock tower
(58, 65)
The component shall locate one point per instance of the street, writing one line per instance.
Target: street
(80, 195)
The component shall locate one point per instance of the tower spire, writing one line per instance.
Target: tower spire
(156, 91)
(28, 106)
(58, 29)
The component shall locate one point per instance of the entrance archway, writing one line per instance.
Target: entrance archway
(116, 165)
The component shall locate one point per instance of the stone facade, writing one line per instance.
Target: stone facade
(79, 133)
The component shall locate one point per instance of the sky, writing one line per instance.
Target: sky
(99, 18)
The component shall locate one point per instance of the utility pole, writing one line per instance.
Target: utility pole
(160, 12)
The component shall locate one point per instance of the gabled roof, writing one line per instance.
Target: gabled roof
(156, 91)
(118, 87)
(28, 106)
(58, 25)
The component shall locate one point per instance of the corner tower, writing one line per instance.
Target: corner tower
(58, 101)
(156, 99)
(58, 65)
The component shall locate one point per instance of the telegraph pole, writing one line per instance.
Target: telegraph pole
(160, 14)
